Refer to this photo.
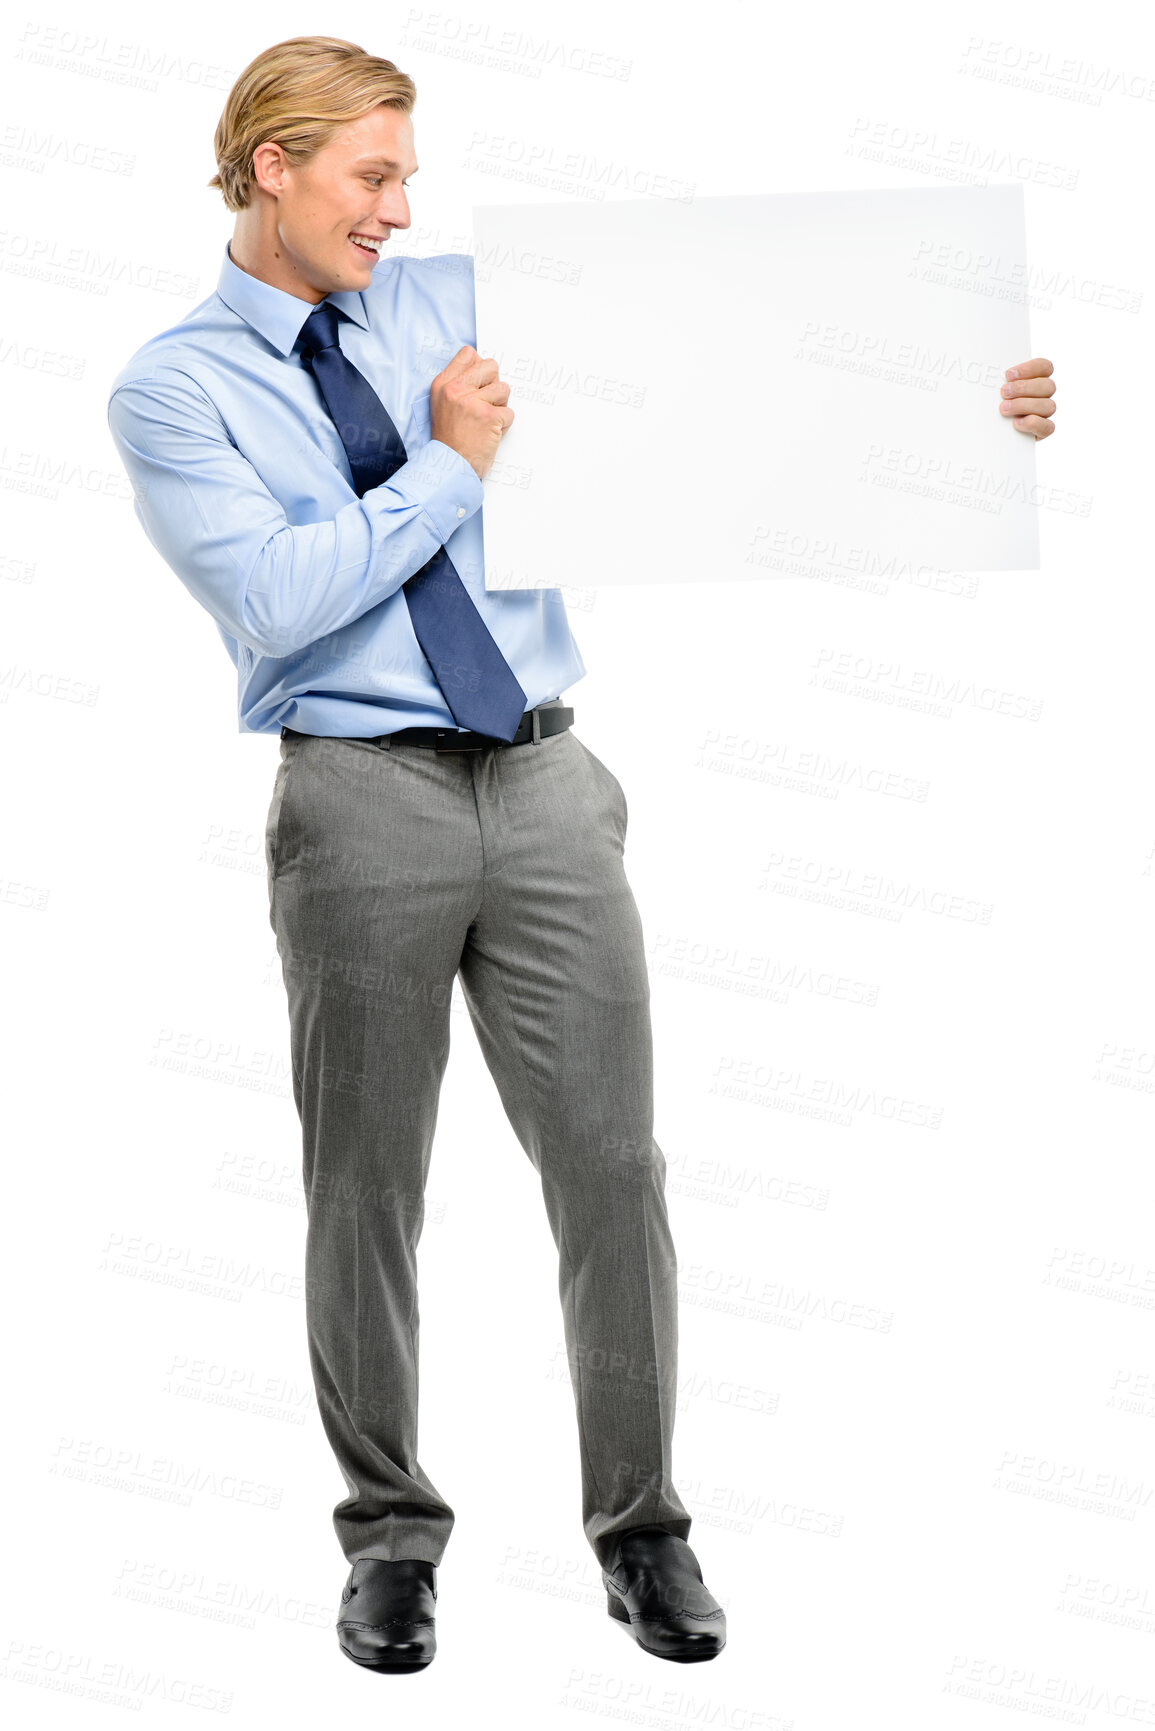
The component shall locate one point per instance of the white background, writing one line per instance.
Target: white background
(900, 962)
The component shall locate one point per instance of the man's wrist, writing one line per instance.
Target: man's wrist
(444, 483)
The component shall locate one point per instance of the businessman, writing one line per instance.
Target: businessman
(307, 449)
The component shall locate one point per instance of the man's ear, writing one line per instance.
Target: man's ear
(269, 167)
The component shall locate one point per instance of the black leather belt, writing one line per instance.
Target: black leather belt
(535, 724)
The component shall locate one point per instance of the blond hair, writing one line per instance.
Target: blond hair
(298, 94)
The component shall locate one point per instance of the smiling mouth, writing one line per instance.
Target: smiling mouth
(368, 245)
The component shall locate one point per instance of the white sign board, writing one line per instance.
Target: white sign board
(729, 387)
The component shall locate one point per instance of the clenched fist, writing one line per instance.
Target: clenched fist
(467, 408)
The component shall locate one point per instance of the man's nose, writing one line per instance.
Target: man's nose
(393, 212)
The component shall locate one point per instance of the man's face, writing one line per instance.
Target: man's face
(354, 186)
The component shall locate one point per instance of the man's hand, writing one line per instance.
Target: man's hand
(1026, 396)
(467, 408)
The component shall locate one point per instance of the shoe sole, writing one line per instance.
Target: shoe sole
(397, 1667)
(620, 1615)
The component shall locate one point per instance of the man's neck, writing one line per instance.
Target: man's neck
(300, 291)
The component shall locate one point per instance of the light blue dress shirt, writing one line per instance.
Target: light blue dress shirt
(242, 485)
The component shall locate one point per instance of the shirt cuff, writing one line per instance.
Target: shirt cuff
(443, 483)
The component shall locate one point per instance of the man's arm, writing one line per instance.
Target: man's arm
(273, 586)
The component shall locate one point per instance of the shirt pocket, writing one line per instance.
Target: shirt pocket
(420, 421)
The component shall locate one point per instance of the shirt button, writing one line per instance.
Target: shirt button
(461, 510)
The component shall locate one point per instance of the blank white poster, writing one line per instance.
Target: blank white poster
(742, 387)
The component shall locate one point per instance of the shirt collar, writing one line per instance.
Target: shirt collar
(278, 316)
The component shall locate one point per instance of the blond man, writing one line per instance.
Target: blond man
(308, 449)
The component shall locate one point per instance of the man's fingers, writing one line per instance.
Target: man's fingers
(1026, 397)
(1028, 388)
(463, 359)
(1027, 406)
(469, 365)
(1036, 369)
(1034, 424)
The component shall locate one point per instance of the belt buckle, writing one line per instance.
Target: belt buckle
(447, 740)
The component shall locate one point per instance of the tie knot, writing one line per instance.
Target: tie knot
(320, 328)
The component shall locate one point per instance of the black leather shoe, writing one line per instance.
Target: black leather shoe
(655, 1590)
(387, 1611)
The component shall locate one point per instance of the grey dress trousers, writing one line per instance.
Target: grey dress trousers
(393, 868)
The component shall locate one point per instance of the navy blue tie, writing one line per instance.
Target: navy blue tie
(475, 679)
